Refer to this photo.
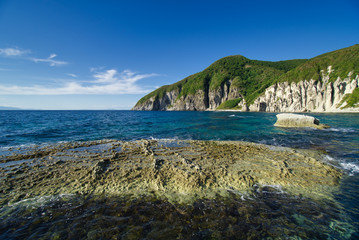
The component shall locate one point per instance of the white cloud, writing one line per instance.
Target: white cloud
(108, 76)
(50, 60)
(12, 52)
(15, 52)
(107, 82)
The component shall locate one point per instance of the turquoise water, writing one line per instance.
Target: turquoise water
(340, 143)
(36, 127)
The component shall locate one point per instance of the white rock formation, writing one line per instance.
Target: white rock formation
(297, 120)
(307, 96)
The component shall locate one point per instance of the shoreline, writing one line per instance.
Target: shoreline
(229, 110)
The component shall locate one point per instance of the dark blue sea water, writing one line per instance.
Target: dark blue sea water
(340, 143)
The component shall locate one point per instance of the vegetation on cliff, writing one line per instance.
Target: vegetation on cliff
(252, 77)
(342, 62)
(230, 104)
(351, 99)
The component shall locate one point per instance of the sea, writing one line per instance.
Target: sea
(340, 143)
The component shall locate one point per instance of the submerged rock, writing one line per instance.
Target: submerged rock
(297, 120)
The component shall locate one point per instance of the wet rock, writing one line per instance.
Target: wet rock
(179, 171)
(99, 168)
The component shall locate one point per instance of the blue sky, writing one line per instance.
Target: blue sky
(108, 54)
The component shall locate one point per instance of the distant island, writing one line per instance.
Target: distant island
(326, 83)
(9, 108)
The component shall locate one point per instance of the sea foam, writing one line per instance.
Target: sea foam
(345, 130)
(352, 168)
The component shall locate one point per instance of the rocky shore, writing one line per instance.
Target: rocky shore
(179, 171)
(156, 189)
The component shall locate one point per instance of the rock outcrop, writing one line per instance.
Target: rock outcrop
(180, 171)
(307, 96)
(297, 120)
(158, 104)
(206, 100)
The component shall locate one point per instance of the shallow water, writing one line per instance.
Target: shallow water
(267, 215)
(20, 130)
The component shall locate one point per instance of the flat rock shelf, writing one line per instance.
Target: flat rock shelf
(180, 171)
(167, 188)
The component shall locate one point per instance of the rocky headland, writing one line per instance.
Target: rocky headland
(326, 83)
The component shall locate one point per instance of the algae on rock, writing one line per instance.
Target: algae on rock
(179, 171)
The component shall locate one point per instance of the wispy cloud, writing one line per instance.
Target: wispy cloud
(12, 52)
(50, 60)
(108, 76)
(15, 52)
(106, 82)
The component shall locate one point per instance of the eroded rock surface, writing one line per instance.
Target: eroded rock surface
(307, 95)
(168, 190)
(178, 171)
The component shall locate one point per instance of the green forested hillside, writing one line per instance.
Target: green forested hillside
(250, 76)
(342, 61)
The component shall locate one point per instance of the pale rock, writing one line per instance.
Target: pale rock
(297, 120)
(307, 96)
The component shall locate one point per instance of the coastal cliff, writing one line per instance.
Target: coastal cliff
(326, 83)
(308, 96)
(201, 101)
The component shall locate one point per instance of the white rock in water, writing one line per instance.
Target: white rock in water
(297, 120)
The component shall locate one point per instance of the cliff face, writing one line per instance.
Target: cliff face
(158, 104)
(307, 96)
(225, 93)
(208, 99)
(304, 96)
